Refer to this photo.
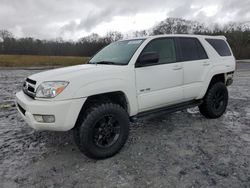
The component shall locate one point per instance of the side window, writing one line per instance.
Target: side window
(220, 46)
(191, 49)
(165, 47)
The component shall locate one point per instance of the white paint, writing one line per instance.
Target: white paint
(144, 87)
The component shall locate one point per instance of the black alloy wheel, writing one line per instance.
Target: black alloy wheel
(102, 130)
(106, 132)
(215, 101)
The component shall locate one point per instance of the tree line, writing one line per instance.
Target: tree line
(86, 46)
(238, 36)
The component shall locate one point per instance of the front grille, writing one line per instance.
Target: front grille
(33, 82)
(29, 87)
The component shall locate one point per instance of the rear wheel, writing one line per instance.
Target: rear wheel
(103, 131)
(215, 101)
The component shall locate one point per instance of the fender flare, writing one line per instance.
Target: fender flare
(213, 72)
(108, 86)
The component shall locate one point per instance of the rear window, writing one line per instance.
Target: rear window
(220, 46)
(191, 49)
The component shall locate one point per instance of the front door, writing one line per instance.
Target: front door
(160, 84)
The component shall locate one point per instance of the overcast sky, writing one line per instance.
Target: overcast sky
(72, 19)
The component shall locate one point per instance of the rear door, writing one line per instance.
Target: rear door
(225, 55)
(195, 65)
(160, 84)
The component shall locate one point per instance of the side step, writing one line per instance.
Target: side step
(168, 109)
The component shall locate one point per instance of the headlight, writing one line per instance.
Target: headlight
(51, 89)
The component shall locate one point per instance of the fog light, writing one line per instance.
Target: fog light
(45, 118)
(38, 118)
(49, 118)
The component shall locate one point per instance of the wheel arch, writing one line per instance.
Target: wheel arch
(117, 97)
(213, 78)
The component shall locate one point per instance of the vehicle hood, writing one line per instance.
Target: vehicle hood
(62, 73)
(79, 76)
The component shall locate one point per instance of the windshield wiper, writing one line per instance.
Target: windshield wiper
(106, 63)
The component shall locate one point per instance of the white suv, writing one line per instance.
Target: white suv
(128, 79)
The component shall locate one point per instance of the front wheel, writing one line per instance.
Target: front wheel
(215, 101)
(103, 131)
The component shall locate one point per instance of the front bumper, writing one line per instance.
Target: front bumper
(66, 112)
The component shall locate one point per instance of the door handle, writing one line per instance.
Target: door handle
(206, 63)
(177, 67)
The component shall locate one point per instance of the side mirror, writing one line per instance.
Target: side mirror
(148, 58)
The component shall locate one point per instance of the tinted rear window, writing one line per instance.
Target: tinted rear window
(220, 46)
(191, 49)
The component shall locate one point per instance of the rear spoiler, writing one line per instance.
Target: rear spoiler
(222, 37)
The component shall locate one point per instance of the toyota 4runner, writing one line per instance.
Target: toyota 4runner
(126, 80)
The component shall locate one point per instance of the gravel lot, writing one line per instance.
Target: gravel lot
(182, 149)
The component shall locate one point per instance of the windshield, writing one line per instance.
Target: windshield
(117, 53)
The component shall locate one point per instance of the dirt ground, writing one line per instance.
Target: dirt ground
(182, 149)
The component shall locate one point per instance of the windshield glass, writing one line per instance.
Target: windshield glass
(117, 53)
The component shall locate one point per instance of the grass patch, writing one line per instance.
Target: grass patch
(40, 61)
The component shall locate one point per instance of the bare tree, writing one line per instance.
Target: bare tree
(142, 33)
(113, 36)
(4, 34)
(237, 34)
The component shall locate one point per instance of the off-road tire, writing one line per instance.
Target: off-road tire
(85, 127)
(211, 101)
